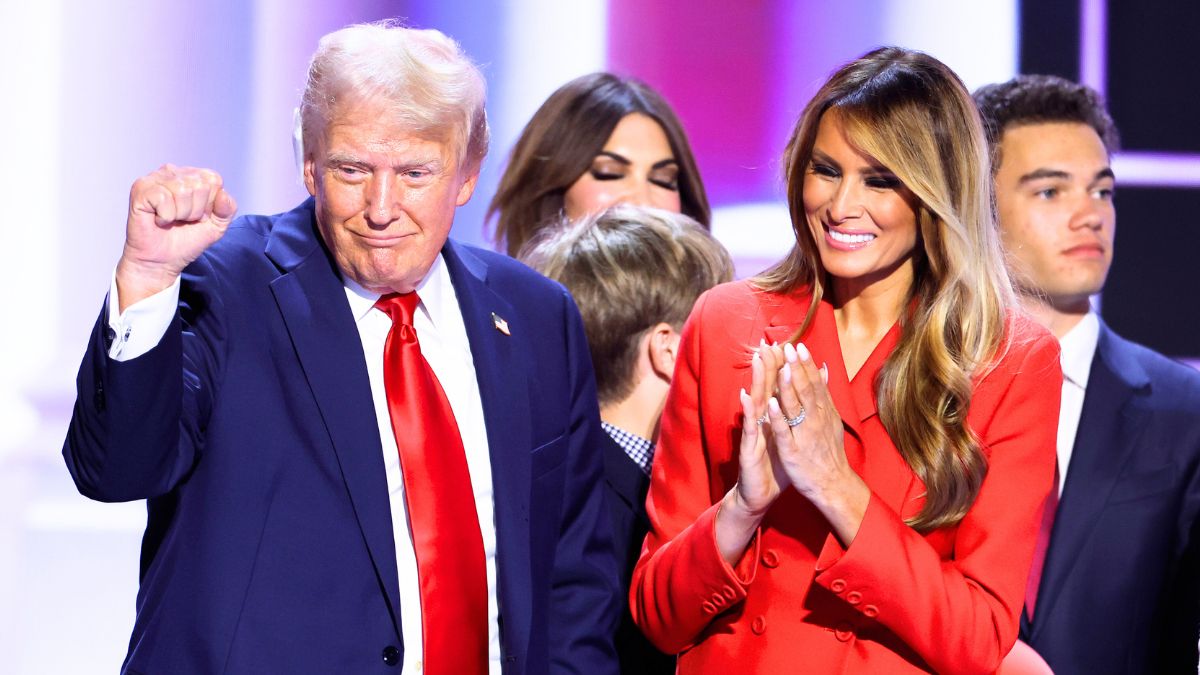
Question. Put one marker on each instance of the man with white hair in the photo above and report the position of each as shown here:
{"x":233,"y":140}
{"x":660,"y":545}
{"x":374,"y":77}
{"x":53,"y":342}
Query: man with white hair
{"x":365,"y":447}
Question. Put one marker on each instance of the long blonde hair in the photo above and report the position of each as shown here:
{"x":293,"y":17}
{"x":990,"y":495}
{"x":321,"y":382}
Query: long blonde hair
{"x":913,"y":115}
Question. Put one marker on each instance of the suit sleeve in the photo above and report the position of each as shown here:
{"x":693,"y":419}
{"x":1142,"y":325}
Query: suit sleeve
{"x":681,"y":570}
{"x":962,"y":614}
{"x":135,"y":429}
{"x":1177,"y":650}
{"x":585,"y":602}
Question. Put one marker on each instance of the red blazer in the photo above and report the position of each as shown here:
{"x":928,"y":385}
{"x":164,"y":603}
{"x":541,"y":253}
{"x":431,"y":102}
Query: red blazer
{"x":895,"y":600}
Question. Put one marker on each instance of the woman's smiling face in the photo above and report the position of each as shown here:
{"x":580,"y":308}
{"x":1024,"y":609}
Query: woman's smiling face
{"x":862,"y":217}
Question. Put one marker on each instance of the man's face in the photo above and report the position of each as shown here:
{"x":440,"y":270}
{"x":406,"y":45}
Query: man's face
{"x":1054,"y":196}
{"x":385,"y":198}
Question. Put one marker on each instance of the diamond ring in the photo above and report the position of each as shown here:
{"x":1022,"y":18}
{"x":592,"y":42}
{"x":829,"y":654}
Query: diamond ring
{"x":797,"y":420}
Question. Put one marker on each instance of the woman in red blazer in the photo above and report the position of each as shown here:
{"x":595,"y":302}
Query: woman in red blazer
{"x":869,"y":501}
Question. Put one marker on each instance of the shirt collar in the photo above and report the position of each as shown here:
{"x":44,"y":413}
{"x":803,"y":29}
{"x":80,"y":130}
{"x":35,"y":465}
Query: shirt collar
{"x":433,"y":290}
{"x":1079,"y":348}
{"x":639,"y":449}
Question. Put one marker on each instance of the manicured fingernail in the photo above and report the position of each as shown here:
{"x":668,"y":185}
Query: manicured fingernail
{"x":789,"y":352}
{"x":803,"y":352}
{"x":773,"y":404}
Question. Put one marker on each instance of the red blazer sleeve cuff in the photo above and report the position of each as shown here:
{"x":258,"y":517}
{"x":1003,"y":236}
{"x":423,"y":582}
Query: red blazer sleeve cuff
{"x":851,"y":573}
{"x":683,"y":586}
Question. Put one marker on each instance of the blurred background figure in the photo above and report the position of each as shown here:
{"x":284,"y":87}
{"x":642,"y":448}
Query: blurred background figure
{"x":635,"y":274}
{"x":597,"y":141}
{"x":870,"y":504}
{"x":1114,"y":586}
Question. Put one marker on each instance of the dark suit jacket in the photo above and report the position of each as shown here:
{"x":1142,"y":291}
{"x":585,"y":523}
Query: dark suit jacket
{"x":627,"y":486}
{"x":1119,"y":590}
{"x":250,"y":430}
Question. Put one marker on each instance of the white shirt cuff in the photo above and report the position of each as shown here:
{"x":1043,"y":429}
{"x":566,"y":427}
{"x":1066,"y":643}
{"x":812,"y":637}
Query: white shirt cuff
{"x":143,"y":324}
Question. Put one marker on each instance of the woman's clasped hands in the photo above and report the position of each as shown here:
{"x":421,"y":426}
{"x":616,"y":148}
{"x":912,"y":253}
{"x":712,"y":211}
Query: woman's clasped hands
{"x":792,"y":437}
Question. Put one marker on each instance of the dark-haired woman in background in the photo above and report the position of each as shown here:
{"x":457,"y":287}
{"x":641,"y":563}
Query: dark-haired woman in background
{"x":598,"y":140}
{"x":869,"y":502}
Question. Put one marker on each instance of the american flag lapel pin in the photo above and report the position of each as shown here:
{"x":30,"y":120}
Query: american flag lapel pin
{"x":500,"y":323}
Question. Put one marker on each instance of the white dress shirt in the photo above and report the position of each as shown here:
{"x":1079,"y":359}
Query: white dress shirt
{"x":444,"y":344}
{"x":1078,"y":350}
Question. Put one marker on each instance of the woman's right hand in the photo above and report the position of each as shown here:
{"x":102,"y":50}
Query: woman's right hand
{"x":761,"y":478}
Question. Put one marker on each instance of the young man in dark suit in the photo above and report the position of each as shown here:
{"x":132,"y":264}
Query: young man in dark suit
{"x":1114,"y":588}
{"x":635,"y":274}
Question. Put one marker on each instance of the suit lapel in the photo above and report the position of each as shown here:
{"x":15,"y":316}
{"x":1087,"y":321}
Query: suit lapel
{"x":312,"y":301}
{"x":625,"y":476}
{"x":502,"y":372}
{"x":1107,"y":436}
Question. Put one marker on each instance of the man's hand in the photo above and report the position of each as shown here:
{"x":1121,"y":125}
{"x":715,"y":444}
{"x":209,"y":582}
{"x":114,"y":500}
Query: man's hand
{"x":175,"y":213}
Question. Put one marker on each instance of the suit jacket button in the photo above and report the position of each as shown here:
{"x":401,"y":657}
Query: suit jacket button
{"x":730,"y":594}
{"x":854,"y":597}
{"x":718,"y":600}
{"x":844,"y":631}
{"x":871,"y":611}
{"x":838,"y":585}
{"x":98,"y":399}
{"x":759,"y":625}
{"x":391,"y":655}
{"x":770,"y":558}
{"x":708,"y":607}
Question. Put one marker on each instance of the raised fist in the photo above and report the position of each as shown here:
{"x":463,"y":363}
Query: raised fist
{"x":175,"y":213}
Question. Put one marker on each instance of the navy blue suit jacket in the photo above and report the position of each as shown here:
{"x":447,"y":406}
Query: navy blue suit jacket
{"x":627,"y":486}
{"x":1119,"y":590}
{"x":250,"y":429}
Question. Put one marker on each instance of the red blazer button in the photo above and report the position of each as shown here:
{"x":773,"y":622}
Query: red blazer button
{"x":871,"y":611}
{"x":854,"y":597}
{"x":759,"y":625}
{"x":770,"y":558}
{"x":838,"y":585}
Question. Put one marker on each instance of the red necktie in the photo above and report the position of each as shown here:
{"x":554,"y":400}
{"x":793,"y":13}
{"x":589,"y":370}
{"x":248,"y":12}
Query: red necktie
{"x":1043,"y":542}
{"x":441,"y":505}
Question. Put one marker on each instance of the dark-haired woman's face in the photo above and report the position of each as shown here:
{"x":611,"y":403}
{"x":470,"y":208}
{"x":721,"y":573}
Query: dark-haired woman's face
{"x":636,"y":166}
{"x":862,"y":217}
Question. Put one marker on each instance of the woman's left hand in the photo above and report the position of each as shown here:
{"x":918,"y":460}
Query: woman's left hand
{"x":809,"y":442}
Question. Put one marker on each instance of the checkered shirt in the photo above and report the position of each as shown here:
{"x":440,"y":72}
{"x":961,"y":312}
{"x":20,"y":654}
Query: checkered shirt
{"x":640,"y":450}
